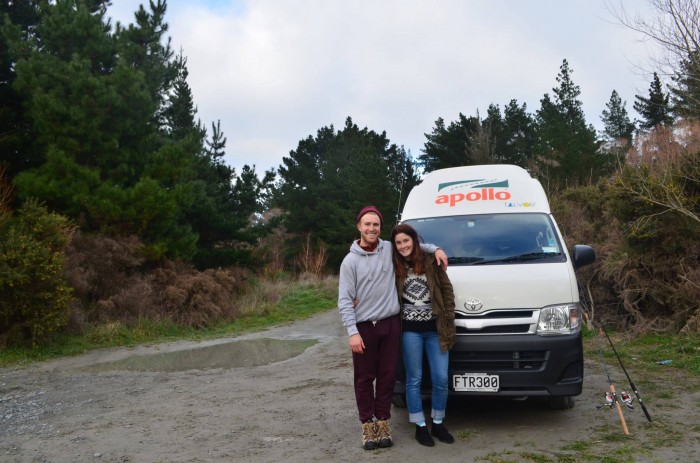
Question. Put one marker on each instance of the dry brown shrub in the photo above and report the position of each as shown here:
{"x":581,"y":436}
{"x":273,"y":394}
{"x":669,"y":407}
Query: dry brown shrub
{"x":654,"y":269}
{"x":665,"y":146}
{"x":97,"y":265}
{"x":197,"y":298}
{"x":136,"y":299}
{"x":310,"y":260}
{"x":6,"y":189}
{"x":689,"y":293}
{"x":111,"y":284}
{"x":174,"y":296}
{"x":270,"y":251}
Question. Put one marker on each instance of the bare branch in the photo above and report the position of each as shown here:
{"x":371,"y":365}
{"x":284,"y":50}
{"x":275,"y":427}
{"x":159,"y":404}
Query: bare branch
{"x":675,"y":28}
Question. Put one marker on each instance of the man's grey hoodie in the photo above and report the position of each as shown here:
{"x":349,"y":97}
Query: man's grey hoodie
{"x":369,"y":278}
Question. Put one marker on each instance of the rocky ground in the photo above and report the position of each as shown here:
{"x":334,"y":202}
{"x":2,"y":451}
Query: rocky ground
{"x":286,"y":395}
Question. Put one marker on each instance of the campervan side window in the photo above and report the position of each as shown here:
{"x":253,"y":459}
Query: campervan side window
{"x":474,"y":238}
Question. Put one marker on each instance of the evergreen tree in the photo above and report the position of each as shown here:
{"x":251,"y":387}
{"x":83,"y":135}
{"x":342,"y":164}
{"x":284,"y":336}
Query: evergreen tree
{"x":112,"y":121}
{"x":81,"y":99}
{"x":17,"y":22}
{"x":566,"y":151}
{"x":518,"y":135}
{"x":616,"y":122}
{"x":179,"y":111}
{"x":217,"y":145}
{"x":482,"y":147}
{"x":145,"y":48}
{"x":449,"y":146}
{"x":686,"y":91}
{"x":329,"y":178}
{"x":251,"y":194}
{"x":507,"y":138}
{"x":654,"y":110}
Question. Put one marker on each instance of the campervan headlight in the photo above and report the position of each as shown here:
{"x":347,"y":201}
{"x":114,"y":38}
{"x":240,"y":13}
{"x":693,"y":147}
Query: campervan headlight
{"x":559,"y":319}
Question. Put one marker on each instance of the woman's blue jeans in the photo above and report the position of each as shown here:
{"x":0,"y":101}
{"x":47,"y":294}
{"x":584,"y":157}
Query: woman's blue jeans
{"x":414,"y":343}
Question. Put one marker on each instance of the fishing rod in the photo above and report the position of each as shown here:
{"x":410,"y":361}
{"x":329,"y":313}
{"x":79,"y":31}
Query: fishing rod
{"x":627,"y":400}
{"x":634,"y":388}
{"x":611,"y":397}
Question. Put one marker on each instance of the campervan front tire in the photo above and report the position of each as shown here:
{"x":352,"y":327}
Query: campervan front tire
{"x":562,"y":402}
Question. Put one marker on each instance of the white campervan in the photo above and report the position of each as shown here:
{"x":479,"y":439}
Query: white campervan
{"x":517,"y":301}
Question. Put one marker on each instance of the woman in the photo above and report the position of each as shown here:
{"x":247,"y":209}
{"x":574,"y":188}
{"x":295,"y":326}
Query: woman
{"x":428,"y":325}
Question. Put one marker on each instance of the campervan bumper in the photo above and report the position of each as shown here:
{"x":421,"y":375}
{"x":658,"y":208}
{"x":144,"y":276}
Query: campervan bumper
{"x":526,"y":365}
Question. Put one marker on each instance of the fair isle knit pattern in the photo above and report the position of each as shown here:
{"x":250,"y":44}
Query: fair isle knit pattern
{"x":416,"y":299}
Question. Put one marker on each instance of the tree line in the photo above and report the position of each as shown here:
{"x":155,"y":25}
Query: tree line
{"x":99,"y":133}
{"x":99,"y":124}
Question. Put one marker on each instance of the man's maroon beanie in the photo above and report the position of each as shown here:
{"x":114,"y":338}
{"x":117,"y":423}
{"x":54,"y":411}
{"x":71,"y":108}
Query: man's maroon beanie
{"x":373,"y":209}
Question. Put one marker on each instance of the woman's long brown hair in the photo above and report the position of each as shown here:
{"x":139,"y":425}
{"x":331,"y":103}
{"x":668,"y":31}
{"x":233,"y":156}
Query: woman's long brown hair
{"x":417,"y":257}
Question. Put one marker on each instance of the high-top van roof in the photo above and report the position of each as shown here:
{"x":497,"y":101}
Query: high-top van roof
{"x":485,"y":189}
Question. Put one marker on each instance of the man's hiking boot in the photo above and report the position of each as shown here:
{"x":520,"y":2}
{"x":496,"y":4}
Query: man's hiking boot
{"x":423,"y":436}
{"x":441,"y":433}
{"x":384,"y":434}
{"x":369,"y":435}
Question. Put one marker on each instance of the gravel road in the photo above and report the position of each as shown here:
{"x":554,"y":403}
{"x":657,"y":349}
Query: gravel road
{"x":286,"y":394}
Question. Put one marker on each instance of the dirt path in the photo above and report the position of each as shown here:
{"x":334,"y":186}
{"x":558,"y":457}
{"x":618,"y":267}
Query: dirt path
{"x":301,"y":410}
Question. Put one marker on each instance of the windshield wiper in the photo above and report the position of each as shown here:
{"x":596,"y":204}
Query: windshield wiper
{"x":463,"y":260}
{"x":521,"y":257}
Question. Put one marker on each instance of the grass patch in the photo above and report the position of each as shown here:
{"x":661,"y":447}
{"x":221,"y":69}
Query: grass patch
{"x":578,"y":446}
{"x":466,"y":434}
{"x":643,"y":352}
{"x":265,"y":304}
{"x":565,"y":458}
{"x":536,"y":457}
{"x":497,"y":457}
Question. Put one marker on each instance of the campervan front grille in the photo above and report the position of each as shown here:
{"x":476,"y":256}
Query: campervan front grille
{"x":499,"y":329}
{"x":495,"y":314}
{"x":501,"y":322}
{"x":497,"y":360}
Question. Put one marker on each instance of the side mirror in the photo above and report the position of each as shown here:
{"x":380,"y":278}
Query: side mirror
{"x":583,"y":255}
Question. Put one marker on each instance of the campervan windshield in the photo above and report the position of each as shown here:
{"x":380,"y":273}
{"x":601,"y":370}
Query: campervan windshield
{"x":493,"y":238}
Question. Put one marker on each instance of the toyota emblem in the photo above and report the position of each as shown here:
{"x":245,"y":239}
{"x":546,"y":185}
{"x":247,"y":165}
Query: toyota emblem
{"x":473,"y":305}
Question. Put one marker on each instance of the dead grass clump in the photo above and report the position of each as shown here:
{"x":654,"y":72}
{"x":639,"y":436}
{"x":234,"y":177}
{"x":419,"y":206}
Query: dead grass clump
{"x":261,"y":297}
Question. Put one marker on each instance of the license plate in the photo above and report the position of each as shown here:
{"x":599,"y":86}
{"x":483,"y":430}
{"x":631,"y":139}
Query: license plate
{"x":475,"y":382}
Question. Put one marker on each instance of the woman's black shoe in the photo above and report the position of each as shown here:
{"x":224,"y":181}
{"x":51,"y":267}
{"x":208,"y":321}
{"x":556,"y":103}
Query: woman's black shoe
{"x":441,"y":433}
{"x":423,"y":436}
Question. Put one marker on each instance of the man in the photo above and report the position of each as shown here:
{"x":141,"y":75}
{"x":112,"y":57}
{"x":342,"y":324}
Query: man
{"x":369,"y":308}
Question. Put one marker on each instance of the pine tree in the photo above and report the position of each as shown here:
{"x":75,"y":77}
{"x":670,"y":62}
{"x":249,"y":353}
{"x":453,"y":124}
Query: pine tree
{"x":217,"y":145}
{"x":518,"y":135}
{"x":654,"y":110}
{"x":328,"y":178}
{"x":251,"y":194}
{"x":686,"y":92}
{"x":510,"y":136}
{"x":617,"y":124}
{"x":482,"y":147}
{"x":566,"y":143}
{"x":144,"y":47}
{"x":17,"y":21}
{"x":449,"y":146}
{"x":179,"y":111}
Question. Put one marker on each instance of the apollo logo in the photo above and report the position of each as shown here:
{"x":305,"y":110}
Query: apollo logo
{"x":473,"y":190}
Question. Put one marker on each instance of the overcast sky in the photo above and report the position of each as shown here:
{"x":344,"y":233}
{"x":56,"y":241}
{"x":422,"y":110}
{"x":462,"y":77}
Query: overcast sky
{"x":275,"y":71}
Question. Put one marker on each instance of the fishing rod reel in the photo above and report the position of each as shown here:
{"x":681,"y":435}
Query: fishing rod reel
{"x":626,"y":399}
{"x":610,"y":399}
